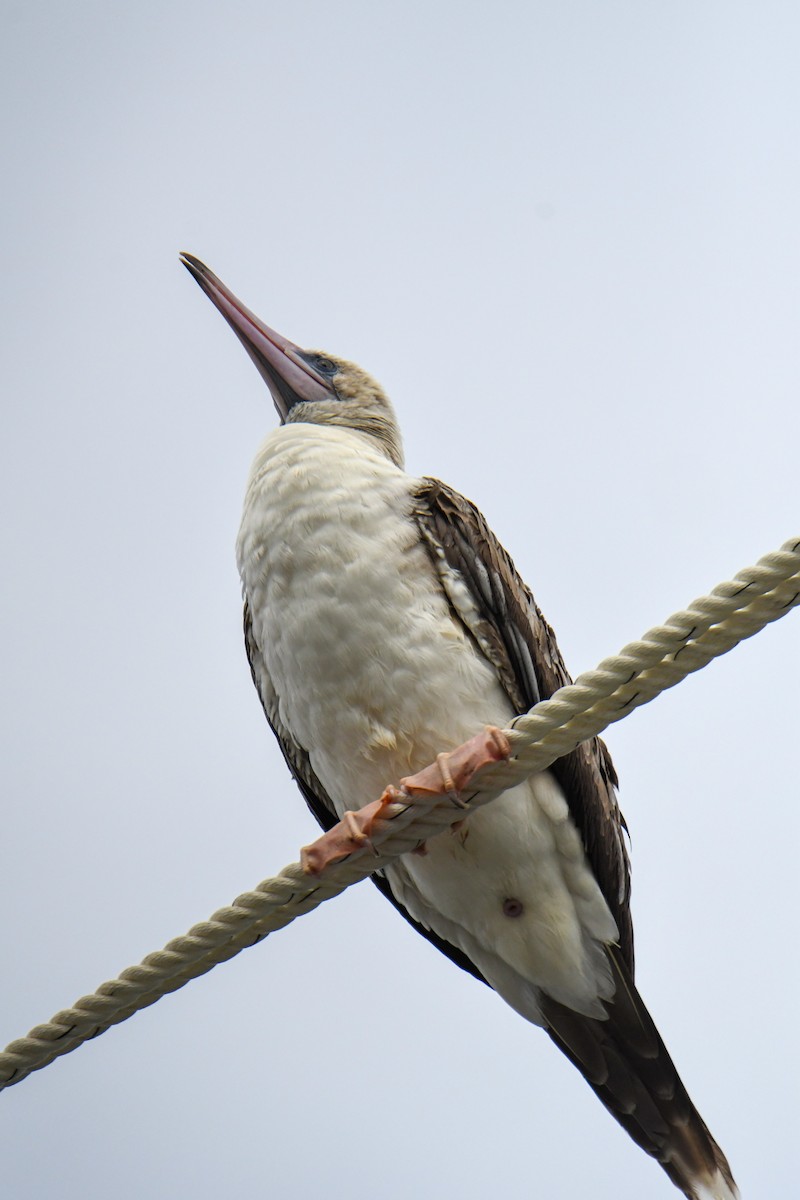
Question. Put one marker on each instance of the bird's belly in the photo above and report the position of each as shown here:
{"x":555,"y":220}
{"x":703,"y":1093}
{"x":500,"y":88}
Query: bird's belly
{"x":511,"y":888}
{"x":373,"y":672}
{"x":374,"y":677}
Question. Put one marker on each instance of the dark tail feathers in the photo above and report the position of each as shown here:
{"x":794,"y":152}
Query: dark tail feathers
{"x":627,"y":1064}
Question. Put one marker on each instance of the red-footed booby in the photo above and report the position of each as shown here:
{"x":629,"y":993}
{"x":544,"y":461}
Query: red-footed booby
{"x":385,"y":623}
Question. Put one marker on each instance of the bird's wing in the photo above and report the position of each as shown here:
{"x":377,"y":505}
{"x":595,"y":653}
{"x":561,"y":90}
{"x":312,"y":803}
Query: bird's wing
{"x":622,"y":1057}
{"x":314,"y":794}
{"x":501,"y":615}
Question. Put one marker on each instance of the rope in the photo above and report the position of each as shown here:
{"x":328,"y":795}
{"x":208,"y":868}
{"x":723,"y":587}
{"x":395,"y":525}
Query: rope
{"x":666,"y":654}
{"x":643,"y":669}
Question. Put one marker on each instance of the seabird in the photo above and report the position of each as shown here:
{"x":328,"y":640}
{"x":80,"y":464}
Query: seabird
{"x":385,"y":623}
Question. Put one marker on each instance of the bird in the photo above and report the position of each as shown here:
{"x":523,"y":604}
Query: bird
{"x":383,"y":622}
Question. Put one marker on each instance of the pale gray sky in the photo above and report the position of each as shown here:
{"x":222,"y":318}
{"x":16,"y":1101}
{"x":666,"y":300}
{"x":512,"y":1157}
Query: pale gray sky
{"x":565,"y":238}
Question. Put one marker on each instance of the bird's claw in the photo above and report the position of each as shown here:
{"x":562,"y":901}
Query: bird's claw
{"x":348,"y":835}
{"x":443,"y":763}
{"x":448,"y":776}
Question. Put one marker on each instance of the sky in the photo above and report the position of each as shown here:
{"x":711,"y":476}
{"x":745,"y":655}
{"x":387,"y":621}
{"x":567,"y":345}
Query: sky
{"x":565,"y":239}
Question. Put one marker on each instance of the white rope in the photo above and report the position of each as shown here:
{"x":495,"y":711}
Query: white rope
{"x":666,"y":654}
{"x":662,"y":657}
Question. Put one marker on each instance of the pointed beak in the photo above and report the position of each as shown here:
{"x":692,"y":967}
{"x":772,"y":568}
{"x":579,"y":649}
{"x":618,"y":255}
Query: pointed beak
{"x":279,"y":362}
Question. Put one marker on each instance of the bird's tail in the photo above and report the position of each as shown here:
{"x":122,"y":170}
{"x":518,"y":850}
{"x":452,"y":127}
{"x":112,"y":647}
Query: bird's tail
{"x":626,"y":1063}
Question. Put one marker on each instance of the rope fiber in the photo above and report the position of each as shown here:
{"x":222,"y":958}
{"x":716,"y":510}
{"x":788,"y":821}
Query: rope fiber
{"x":643,"y":669}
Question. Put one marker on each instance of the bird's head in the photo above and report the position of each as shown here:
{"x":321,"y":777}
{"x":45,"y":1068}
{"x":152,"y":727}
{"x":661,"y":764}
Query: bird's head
{"x":307,"y":385}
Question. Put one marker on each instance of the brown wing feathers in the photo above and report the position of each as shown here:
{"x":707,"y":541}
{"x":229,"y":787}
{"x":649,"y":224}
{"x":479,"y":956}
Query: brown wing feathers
{"x":522,"y":647}
{"x":627,"y":1065}
{"x":623,"y":1057}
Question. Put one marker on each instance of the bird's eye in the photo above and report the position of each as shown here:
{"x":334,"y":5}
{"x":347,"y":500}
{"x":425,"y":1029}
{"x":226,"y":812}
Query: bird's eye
{"x":322,"y":364}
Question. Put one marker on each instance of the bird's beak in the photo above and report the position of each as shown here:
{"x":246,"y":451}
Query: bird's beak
{"x":280,"y":363}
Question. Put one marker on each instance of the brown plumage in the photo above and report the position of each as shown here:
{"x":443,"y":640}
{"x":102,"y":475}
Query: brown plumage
{"x":623,"y":1058}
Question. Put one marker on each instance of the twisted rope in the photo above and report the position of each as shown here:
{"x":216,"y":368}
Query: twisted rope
{"x":666,"y":654}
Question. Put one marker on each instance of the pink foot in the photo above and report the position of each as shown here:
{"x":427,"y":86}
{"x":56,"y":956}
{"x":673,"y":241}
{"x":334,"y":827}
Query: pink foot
{"x":449,"y":775}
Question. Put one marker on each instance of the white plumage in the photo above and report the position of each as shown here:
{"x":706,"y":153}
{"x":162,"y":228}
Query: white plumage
{"x":374,"y":677}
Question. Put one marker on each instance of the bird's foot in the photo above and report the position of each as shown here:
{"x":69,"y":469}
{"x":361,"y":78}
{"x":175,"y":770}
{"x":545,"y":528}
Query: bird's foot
{"x":448,"y":776}
{"x":350,"y":834}
{"x":449,"y":784}
{"x":451,"y":773}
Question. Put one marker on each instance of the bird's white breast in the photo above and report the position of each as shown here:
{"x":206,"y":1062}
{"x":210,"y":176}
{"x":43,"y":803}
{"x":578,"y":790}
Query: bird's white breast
{"x":374,"y":676}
